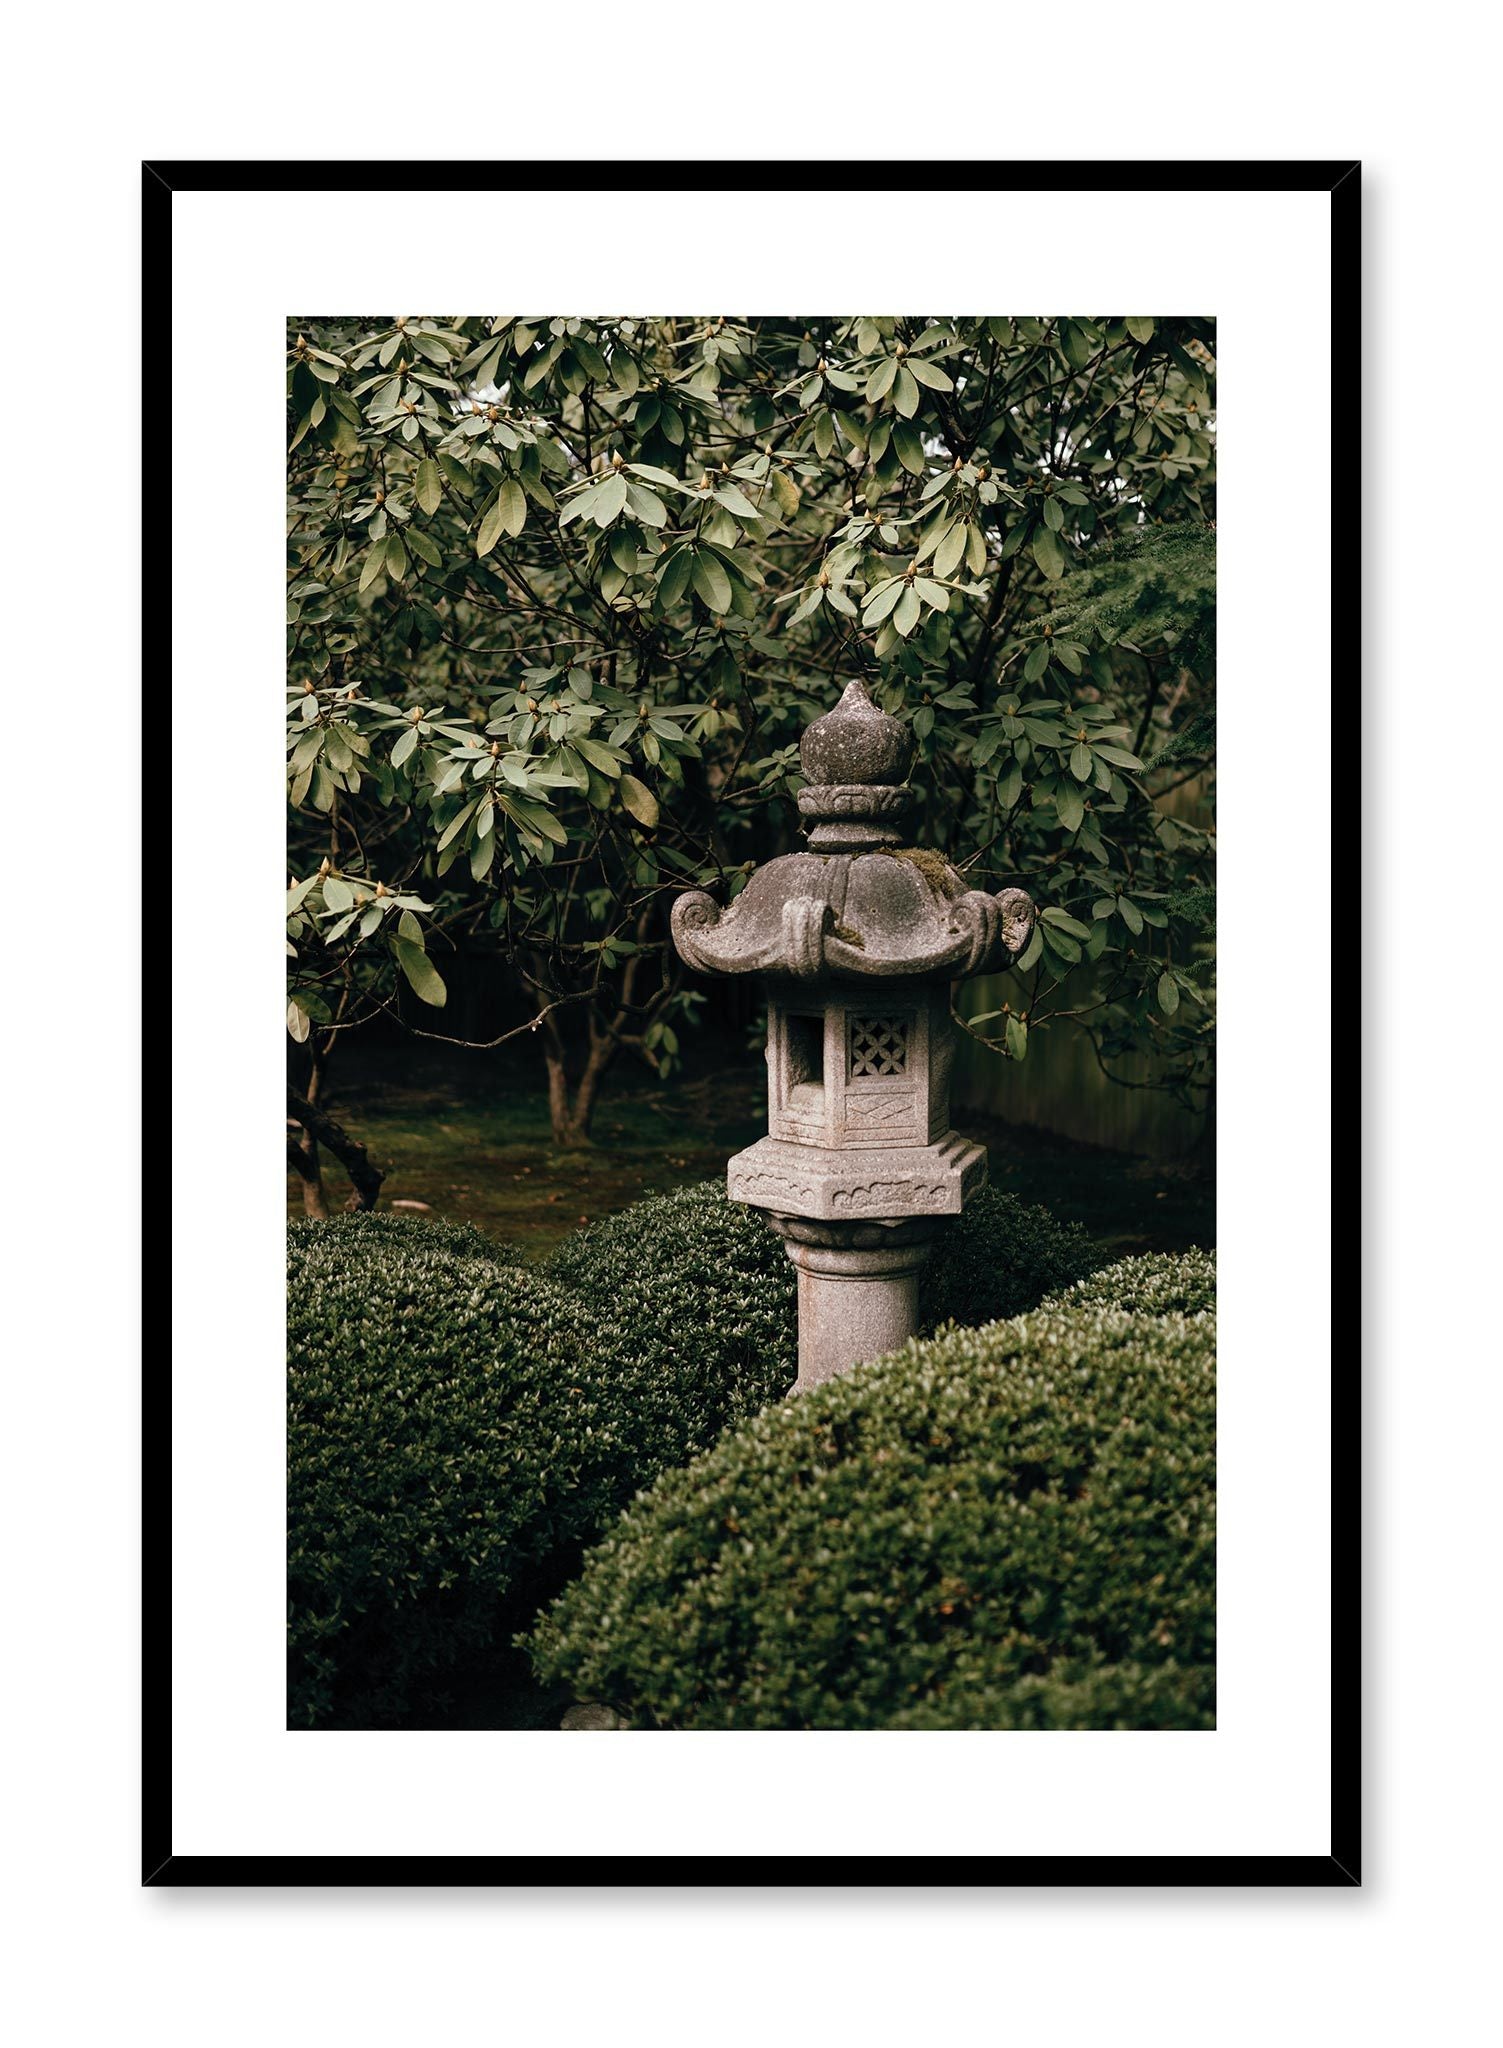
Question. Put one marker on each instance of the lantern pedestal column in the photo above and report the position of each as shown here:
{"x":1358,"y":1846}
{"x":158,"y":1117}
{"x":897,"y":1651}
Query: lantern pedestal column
{"x":857,"y":1290}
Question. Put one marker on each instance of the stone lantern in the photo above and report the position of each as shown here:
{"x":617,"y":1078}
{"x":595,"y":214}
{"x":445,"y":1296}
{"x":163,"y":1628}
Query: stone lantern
{"x":859,"y":941}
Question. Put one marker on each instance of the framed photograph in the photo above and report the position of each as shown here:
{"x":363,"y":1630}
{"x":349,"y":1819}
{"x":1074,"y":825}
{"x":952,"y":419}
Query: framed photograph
{"x":777,"y":1197}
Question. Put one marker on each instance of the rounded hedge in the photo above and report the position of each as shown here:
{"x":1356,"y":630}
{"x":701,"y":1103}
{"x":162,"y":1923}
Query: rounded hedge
{"x":999,"y":1257}
{"x":460,"y":1425}
{"x":696,"y":1304}
{"x":696,"y":1290}
{"x":415,"y":1234}
{"x":1010,"y":1527}
{"x":1154,"y":1284}
{"x":450,"y":1436}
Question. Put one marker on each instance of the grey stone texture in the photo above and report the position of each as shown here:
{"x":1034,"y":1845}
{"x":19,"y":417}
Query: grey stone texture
{"x":591,"y":1714}
{"x":860,"y":940}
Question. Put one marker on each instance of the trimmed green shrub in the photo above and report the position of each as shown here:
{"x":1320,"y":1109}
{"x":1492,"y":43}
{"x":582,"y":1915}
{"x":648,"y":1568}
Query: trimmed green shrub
{"x":416,"y":1234}
{"x":999,"y":1257}
{"x":450,"y":1447}
{"x":460,"y":1426}
{"x":1010,"y":1527}
{"x":1155,"y":1284}
{"x":696,"y":1294}
{"x":696,"y":1304}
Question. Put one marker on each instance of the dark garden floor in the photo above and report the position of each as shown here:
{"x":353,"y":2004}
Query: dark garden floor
{"x":468,"y":1135}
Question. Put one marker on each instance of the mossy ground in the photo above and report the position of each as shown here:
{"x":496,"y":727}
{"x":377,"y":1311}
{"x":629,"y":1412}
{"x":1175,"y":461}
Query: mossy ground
{"x":469,"y":1136}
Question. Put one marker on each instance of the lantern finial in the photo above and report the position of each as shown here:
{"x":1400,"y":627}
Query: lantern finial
{"x":856,"y":743}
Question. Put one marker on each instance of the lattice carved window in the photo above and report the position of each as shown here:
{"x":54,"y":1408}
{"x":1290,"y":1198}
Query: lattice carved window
{"x":879,"y":1047}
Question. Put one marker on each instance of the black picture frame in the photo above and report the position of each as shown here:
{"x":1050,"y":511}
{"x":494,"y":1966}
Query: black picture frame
{"x":160,"y":1865}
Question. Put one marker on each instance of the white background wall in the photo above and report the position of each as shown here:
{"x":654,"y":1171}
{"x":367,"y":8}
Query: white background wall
{"x":96,"y":1959}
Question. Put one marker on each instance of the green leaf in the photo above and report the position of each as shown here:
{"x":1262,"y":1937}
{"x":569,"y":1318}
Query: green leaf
{"x":1037,"y":662}
{"x":1062,"y":921}
{"x":1067,"y":802}
{"x":639,"y":799}
{"x":590,"y":360}
{"x":880,"y":601}
{"x":405,"y":743}
{"x":674,"y":580}
{"x":1130,"y":914}
{"x":455,"y":825}
{"x":905,"y":395}
{"x":409,"y":928}
{"x":1077,"y":344}
{"x":298,"y":1022}
{"x":1080,"y":761}
{"x":909,"y":445}
{"x":511,"y":505}
{"x":1120,"y":758}
{"x":375,"y":562}
{"x":338,"y":895}
{"x":599,"y":756}
{"x":930,"y":374}
{"x":490,"y":528}
{"x":906,"y":613}
{"x":609,"y":500}
{"x":712,"y":583}
{"x":1140,"y":329}
{"x":947,"y":555}
{"x":1168,"y":994}
{"x":735,"y":501}
{"x":424,"y":978}
{"x":428,"y":485}
{"x":880,"y":382}
{"x":1016,"y":1035}
{"x":646,"y":505}
{"x":1048,"y":553}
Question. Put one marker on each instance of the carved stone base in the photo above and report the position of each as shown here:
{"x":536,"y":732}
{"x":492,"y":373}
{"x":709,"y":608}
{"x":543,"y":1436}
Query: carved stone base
{"x":857,"y":1290}
{"x":882,"y":1183}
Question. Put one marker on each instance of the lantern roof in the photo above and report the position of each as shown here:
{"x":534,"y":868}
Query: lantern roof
{"x":859,"y":904}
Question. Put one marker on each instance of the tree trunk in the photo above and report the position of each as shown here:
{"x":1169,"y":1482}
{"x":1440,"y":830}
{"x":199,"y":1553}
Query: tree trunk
{"x":307,"y":1164}
{"x":365,"y":1179}
{"x":571,"y":1111}
{"x":315,"y":1201}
